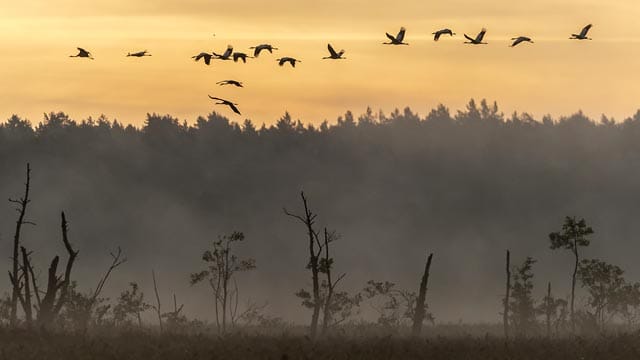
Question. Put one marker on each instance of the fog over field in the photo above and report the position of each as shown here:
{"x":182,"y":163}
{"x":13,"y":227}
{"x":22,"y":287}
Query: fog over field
{"x":465,"y":186}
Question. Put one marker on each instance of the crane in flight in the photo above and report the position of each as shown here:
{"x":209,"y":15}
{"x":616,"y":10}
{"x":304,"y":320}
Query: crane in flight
{"x":203,"y":55}
{"x":259,"y":48}
{"x":583,"y":34}
{"x":398,"y":39}
{"x":82,"y":53}
{"x":227,"y":103}
{"x":139,"y":54}
{"x":520,"y":39}
{"x":240,"y":56}
{"x":333,"y":54}
{"x":230,"y":82}
{"x":478,"y":39}
{"x":439,"y":33}
{"x":226,"y":55}
{"x":289,"y":60}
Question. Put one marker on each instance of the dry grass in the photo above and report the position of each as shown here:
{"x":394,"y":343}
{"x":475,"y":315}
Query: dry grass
{"x":17,"y":345}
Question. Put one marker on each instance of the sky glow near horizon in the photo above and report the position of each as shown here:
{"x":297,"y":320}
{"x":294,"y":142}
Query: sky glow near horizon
{"x":554,"y":76}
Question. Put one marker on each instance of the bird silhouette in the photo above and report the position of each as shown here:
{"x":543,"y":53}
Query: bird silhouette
{"x":333,"y":54}
{"x":203,"y":55}
{"x":139,"y":54}
{"x":289,"y":60}
{"x":83,"y":54}
{"x":226,"y":55}
{"x":478,"y":39}
{"x":230,"y":82}
{"x":240,"y":56}
{"x":226,"y":102}
{"x":398,"y":39}
{"x":520,"y":39}
{"x":583,"y":34}
{"x":437,"y":34}
{"x":259,"y":48}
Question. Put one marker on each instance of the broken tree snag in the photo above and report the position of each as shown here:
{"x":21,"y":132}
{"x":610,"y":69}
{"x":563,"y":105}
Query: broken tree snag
{"x":421,"y":310}
{"x":26,"y":304}
{"x":46,"y":315}
{"x":22,"y":210}
{"x":505,"y":311}
{"x":51,"y":303}
{"x":64,"y":292}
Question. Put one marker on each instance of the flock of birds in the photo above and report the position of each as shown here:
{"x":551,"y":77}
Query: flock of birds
{"x":398,"y":39}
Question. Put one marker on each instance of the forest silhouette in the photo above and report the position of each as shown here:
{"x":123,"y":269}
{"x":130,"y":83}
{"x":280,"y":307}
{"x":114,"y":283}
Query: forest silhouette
{"x":394,"y":186}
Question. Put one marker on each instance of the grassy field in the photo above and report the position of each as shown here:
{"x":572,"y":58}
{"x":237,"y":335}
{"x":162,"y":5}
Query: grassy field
{"x":17,"y":345}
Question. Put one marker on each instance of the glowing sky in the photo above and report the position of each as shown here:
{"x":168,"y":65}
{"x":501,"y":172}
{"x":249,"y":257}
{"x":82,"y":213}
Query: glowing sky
{"x":554,"y":75}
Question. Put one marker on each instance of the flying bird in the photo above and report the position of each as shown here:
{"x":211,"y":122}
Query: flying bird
{"x":203,"y":55}
{"x":259,"y":48}
{"x":583,"y":34}
{"x":227,"y":54}
{"x":520,"y":39}
{"x":478,"y":39}
{"x":83,"y":54}
{"x":139,"y":54}
{"x":289,"y":60}
{"x":240,"y":56}
{"x":437,"y":34}
{"x":398,"y":39}
{"x":333,"y":54}
{"x":226,"y":102}
{"x":230,"y":82}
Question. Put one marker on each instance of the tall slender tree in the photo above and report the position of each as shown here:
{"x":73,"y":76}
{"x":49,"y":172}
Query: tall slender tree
{"x":315,"y":250}
{"x":14,"y":275}
{"x":572,"y":236}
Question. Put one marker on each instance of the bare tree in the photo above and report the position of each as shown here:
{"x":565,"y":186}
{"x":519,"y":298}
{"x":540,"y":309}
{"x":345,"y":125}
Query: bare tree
{"x":14,"y":275}
{"x":420,"y":311}
{"x":82,"y":308}
{"x":315,"y":250}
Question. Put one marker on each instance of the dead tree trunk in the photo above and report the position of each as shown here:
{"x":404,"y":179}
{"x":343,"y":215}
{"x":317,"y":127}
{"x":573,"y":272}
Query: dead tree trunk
{"x":51,"y":303}
{"x":158,"y":307}
{"x":505,"y":314}
{"x":315,"y":249}
{"x":28,"y":309}
{"x":421,"y":310}
{"x":22,"y":210}
{"x":45,"y":315}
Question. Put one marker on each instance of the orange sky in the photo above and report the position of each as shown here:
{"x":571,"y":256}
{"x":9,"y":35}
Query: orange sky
{"x":554,"y":75}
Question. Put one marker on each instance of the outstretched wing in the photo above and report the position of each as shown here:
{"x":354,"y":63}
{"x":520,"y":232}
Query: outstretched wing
{"x":517,"y":41}
{"x":481,"y":35}
{"x":585,"y":30}
{"x":292,"y":61}
{"x":215,"y":98}
{"x":228,"y":52}
{"x":332,"y":51}
{"x":469,"y":38}
{"x":437,"y":35}
{"x":390,"y":37}
{"x":256,"y":51}
{"x":400,"y":36}
{"x":234,"y":108}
